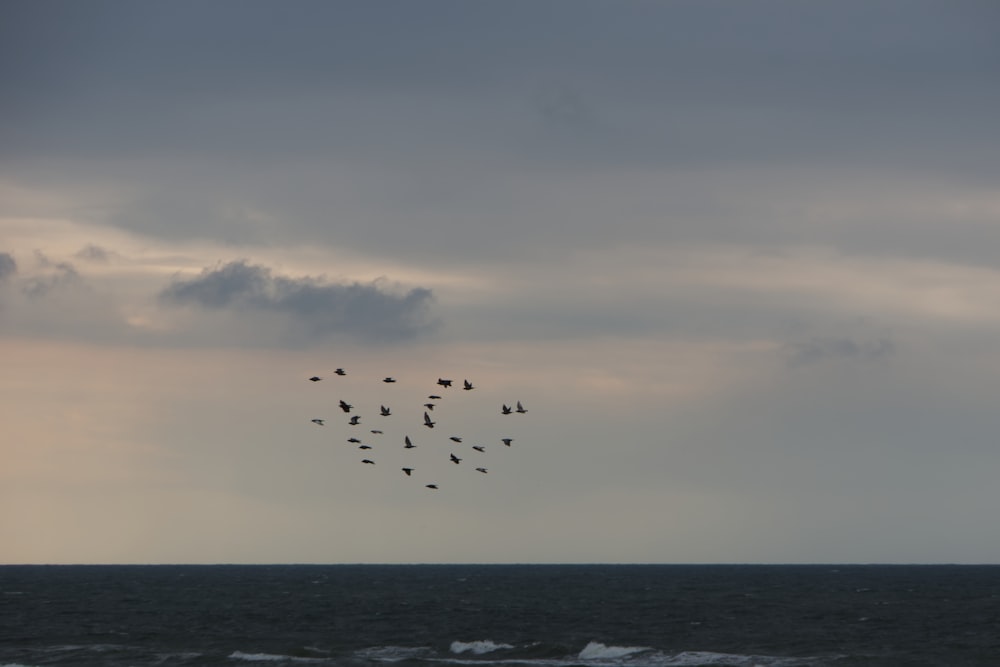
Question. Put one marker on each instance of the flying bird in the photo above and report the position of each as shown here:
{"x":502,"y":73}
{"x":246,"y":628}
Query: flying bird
{"x":365,"y":447}
{"x":431,"y":486}
{"x":388,"y":379}
{"x":455,"y":438}
{"x":376,"y":431}
{"x":434,"y":397}
{"x":368,"y":461}
{"x":340,"y":371}
{"x":354,"y":440}
{"x":467,"y":385}
{"x":355,"y":420}
{"x":385,"y":411}
{"x":482,"y":470}
{"x":429,"y":406}
{"x":345,"y":406}
{"x":505,"y":410}
{"x":427,"y":421}
{"x":315,"y":378}
{"x":455,"y":459}
{"x":407,"y":471}
{"x":479,"y":448}
{"x":507,"y":441}
{"x":520,"y":408}
{"x":444,"y":383}
{"x":408,"y":445}
{"x":317,"y":421}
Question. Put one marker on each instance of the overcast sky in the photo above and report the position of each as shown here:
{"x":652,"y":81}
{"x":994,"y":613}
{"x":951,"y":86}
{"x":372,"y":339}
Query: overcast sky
{"x":740,"y":261}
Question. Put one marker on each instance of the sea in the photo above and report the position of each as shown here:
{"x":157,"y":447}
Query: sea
{"x":501,"y":615}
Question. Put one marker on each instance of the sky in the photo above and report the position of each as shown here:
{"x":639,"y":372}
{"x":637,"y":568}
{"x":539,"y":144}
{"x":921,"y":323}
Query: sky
{"x":739,"y":261}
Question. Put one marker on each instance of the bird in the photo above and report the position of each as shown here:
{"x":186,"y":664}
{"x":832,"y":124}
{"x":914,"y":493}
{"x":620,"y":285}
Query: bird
{"x":408,"y":445}
{"x":376,"y":431}
{"x":482,"y":470}
{"x":340,"y":371}
{"x":354,"y":440}
{"x":368,"y":461}
{"x":431,"y":486}
{"x":427,"y":421}
{"x":455,"y":459}
{"x":389,"y":379}
{"x":444,"y":383}
{"x":429,"y":406}
{"x":318,"y":422}
{"x":365,"y":447}
{"x":505,"y":410}
{"x":507,"y":441}
{"x":315,"y":378}
{"x":407,"y":471}
{"x":479,"y":448}
{"x":345,"y":406}
{"x":455,"y":438}
{"x":385,"y":411}
{"x":355,"y":420}
{"x":467,"y":385}
{"x":520,"y":408}
{"x":434,"y":397}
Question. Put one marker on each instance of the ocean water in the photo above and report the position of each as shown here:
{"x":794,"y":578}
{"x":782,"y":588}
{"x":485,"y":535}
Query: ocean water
{"x":489,"y":615}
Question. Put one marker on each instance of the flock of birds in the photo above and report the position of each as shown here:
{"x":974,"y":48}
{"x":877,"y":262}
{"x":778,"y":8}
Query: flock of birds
{"x":433,"y":400}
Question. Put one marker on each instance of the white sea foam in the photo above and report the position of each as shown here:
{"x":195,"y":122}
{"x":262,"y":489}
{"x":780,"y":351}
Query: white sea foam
{"x":392,"y":653}
{"x":704,"y":658}
{"x":478,"y":647}
{"x":598,"y":651}
{"x":270,"y":657}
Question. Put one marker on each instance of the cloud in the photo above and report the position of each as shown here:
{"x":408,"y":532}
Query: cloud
{"x":95,"y":253}
{"x":311,"y":308}
{"x":8,"y":266}
{"x":56,"y":275}
{"x":820,"y":349}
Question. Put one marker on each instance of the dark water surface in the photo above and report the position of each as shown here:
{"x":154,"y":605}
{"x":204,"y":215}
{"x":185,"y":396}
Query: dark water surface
{"x":542,"y":615}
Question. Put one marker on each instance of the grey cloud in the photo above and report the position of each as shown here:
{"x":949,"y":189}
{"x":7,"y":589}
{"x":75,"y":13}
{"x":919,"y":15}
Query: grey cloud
{"x":53,"y":276}
{"x":8,"y":266}
{"x":314,"y":309}
{"x":820,"y":349}
{"x":94,"y":253}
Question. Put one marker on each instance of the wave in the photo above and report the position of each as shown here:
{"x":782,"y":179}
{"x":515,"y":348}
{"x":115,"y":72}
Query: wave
{"x":271,"y":657}
{"x":597,"y":651}
{"x":479,"y":647}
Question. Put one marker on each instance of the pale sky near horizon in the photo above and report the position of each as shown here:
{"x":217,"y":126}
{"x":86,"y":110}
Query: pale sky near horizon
{"x":739,"y":260}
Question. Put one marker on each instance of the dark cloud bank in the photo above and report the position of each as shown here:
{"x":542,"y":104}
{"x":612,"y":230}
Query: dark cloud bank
{"x":316,"y":309}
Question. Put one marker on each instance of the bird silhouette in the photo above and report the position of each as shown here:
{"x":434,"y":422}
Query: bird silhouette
{"x":467,"y":385}
{"x":444,"y":383}
{"x":355,"y":420}
{"x":340,"y":371}
{"x":505,"y":410}
{"x":479,"y":448}
{"x":407,"y":471}
{"x":507,"y":441}
{"x":427,"y":421}
{"x":482,"y":470}
{"x":520,"y":408}
{"x":385,"y":411}
{"x":368,"y":461}
{"x":318,"y":422}
{"x":408,"y":445}
{"x":455,"y":438}
{"x":345,"y":406}
{"x":315,"y":378}
{"x":455,"y":459}
{"x":389,"y":380}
